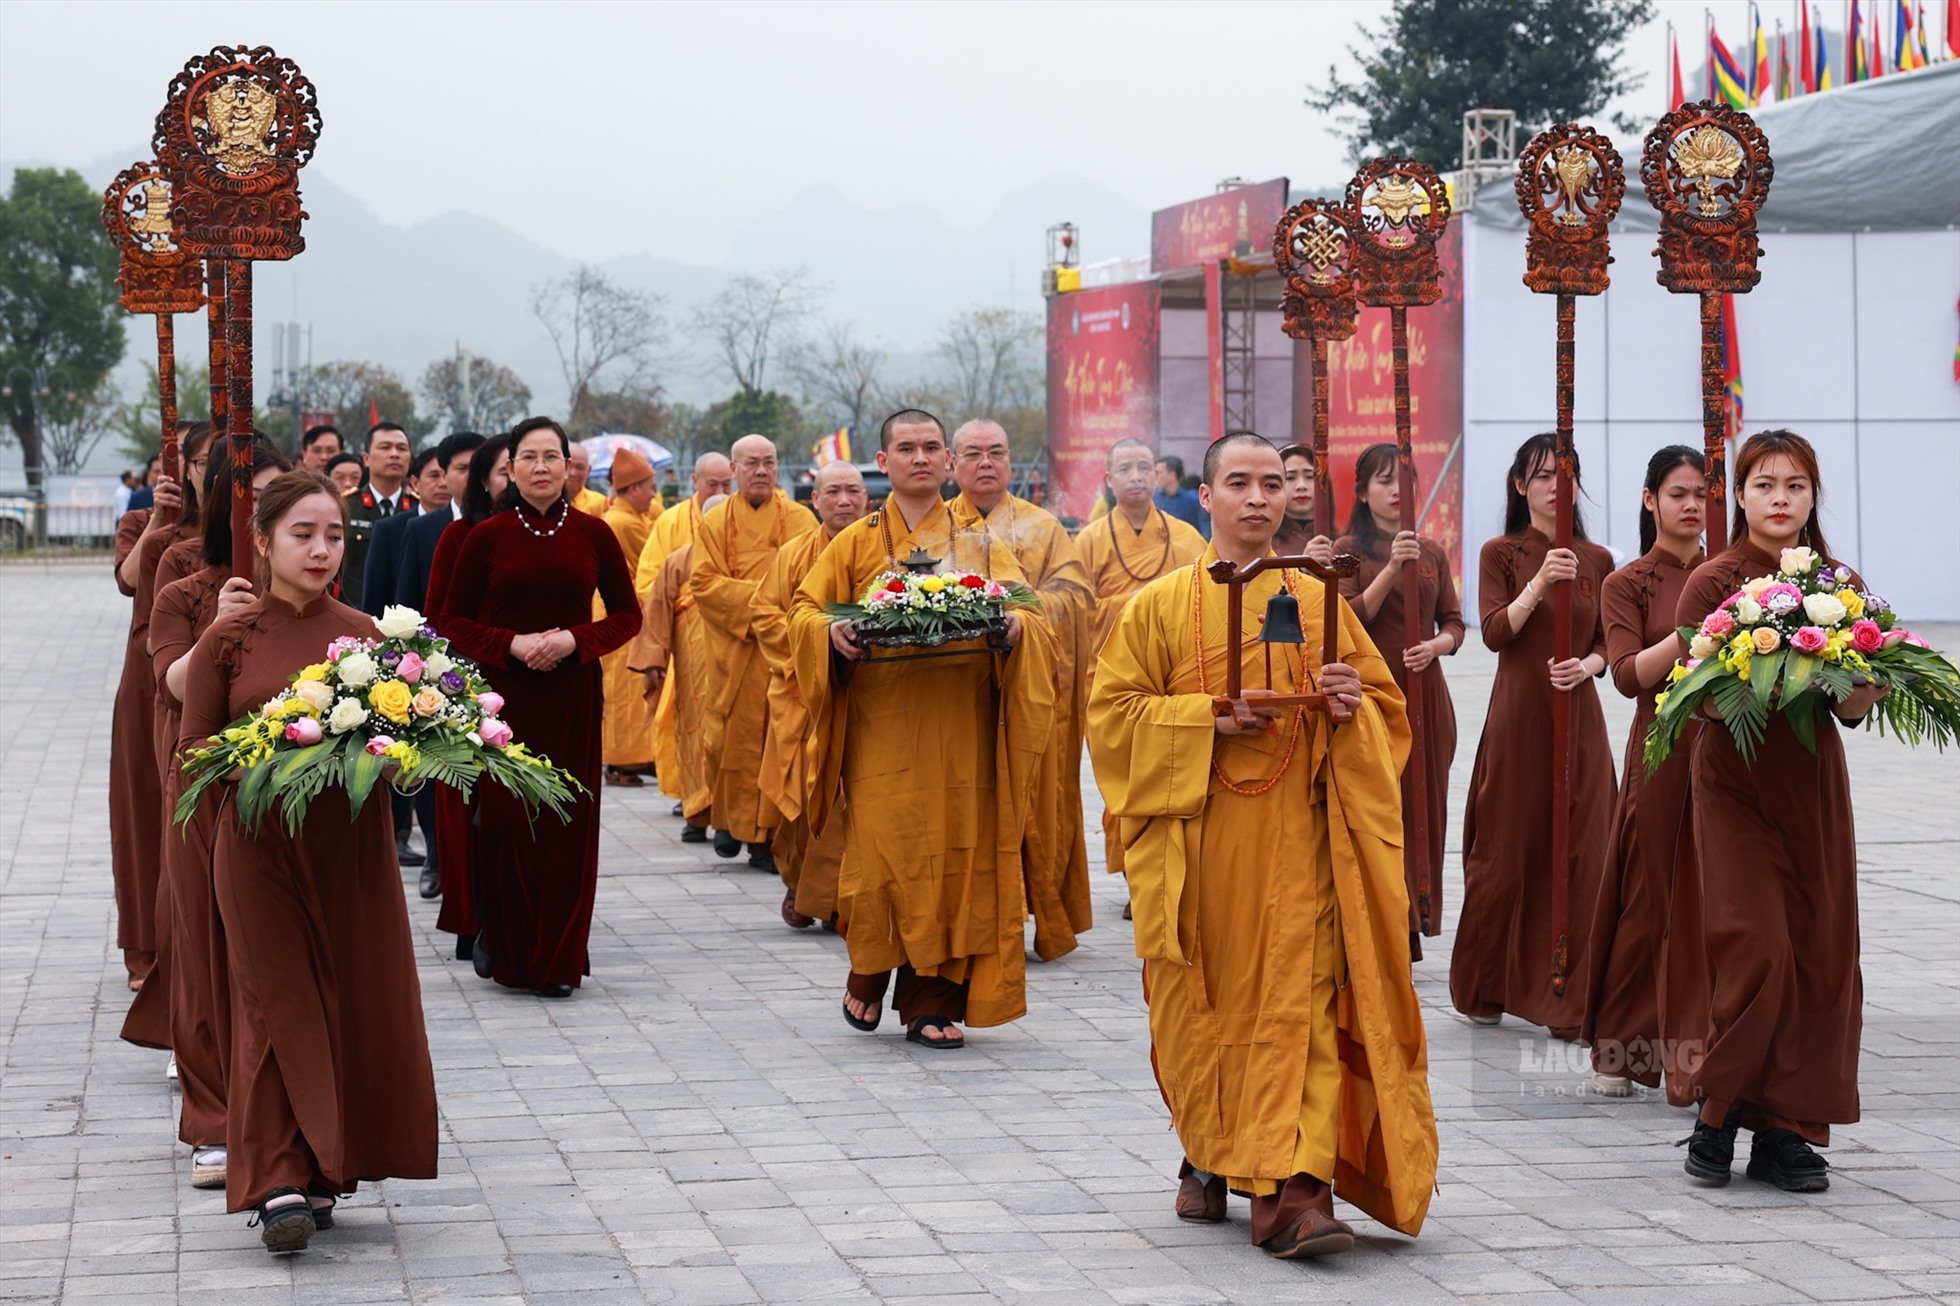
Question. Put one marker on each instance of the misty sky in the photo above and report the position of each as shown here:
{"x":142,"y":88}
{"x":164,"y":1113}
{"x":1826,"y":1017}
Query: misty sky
{"x":601,"y":129}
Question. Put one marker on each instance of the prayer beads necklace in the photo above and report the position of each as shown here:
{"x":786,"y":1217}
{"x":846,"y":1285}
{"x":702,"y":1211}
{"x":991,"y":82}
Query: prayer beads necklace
{"x":1116,"y":547}
{"x":564,"y":508}
{"x":1198,"y":630}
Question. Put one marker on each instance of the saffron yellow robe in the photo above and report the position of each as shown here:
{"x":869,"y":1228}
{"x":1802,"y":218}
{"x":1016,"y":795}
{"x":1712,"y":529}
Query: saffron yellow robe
{"x":590,"y":502}
{"x":671,"y":636}
{"x":734,"y":547}
{"x":1056,"y":858}
{"x":628,"y":733}
{"x":1238,"y":899}
{"x":1120,"y":561}
{"x":672,"y":530}
{"x":931,"y":765}
{"x":809,"y":867}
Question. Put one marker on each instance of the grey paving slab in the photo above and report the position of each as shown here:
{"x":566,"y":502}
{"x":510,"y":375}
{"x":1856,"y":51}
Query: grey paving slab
{"x":699,"y":1127}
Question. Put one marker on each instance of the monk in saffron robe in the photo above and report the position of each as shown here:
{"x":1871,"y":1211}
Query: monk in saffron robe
{"x":809,"y":867}
{"x":713,"y":475}
{"x":734,"y":547}
{"x":628,"y":735}
{"x":671,"y":648}
{"x":584,"y":498}
{"x":1122,"y":552}
{"x":1262,"y":850}
{"x":935,"y":760}
{"x":1056,"y":859}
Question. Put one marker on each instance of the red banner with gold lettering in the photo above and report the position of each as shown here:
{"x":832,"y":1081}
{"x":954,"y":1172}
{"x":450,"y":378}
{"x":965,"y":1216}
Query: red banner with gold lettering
{"x":1361,"y":402}
{"x":1102,"y":385}
{"x":1236,"y":223}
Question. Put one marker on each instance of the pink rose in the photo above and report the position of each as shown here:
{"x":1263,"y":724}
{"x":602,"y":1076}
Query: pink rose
{"x":1809,"y":639}
{"x":1916,"y":642}
{"x":303,"y":731}
{"x":494,"y":733}
{"x":490,"y":701}
{"x":1866,"y":637}
{"x":410,"y":667}
{"x":379,"y":745}
{"x":1718,"y":624}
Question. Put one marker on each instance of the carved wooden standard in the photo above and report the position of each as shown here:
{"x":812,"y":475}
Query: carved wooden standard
{"x":157,"y":277}
{"x":1235,"y":578}
{"x":236,"y":129}
{"x":1707,"y":170}
{"x":1570,"y":183}
{"x":1399,"y":210}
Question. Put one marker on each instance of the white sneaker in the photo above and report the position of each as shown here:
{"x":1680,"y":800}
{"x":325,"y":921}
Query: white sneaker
{"x":208,"y":1167}
{"x":1612,"y":1086}
{"x":170,"y":1071}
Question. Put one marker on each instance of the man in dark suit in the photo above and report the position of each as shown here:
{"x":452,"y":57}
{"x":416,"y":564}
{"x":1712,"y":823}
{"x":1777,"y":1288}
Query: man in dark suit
{"x":381,"y":495}
{"x":408,"y":541}
{"x":427,"y":483}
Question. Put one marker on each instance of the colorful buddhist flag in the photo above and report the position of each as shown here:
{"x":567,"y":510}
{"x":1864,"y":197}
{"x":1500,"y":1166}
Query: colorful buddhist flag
{"x":1785,"y":90}
{"x":1919,"y":37}
{"x":833,"y":448}
{"x":1824,"y":58}
{"x":1857,"y":63}
{"x":1904,"y":57}
{"x":1759,"y":82}
{"x":1731,"y":373}
{"x":1730,"y":84}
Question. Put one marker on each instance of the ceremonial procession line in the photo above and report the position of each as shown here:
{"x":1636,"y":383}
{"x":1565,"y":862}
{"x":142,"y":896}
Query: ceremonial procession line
{"x":700,"y":1127}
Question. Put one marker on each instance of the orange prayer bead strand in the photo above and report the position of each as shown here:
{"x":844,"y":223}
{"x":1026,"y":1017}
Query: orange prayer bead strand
{"x":1299,"y":713}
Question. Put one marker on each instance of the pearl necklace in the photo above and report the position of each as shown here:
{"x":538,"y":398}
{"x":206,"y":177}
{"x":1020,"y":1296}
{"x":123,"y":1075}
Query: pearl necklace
{"x":564,"y":511}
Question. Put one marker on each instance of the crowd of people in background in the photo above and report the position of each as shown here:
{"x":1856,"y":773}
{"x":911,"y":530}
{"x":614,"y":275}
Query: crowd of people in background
{"x":928,"y":809}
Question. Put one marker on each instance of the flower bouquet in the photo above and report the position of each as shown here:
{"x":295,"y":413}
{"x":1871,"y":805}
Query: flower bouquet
{"x":401,"y":702}
{"x":1796,"y":642}
{"x":906,"y":609}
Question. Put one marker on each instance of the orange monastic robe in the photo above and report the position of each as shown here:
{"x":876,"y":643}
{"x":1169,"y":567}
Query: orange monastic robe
{"x":1272,"y":915}
{"x":734,"y":548}
{"x":809,"y":867}
{"x":672,"y":531}
{"x":671,"y":637}
{"x":628,"y":734}
{"x":931,"y":765}
{"x":1121,"y":560}
{"x":590,"y":502}
{"x":1056,"y":859}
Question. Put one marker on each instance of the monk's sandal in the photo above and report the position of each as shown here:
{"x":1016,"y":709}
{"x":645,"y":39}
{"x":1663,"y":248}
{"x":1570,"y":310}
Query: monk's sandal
{"x":287,"y":1227}
{"x":1711,"y":1151}
{"x":1777,"y":1156}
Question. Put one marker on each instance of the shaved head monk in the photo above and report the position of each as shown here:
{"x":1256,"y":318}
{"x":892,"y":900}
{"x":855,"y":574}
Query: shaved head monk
{"x":809,"y":867}
{"x":671,"y":649}
{"x":1265,"y":866}
{"x":936,"y":758}
{"x":673,"y":530}
{"x":1134,"y":544}
{"x":1055,"y":858}
{"x":734,"y":547}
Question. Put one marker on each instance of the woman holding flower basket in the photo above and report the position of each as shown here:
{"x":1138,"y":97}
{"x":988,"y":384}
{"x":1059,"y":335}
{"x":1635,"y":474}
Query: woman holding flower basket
{"x":520,"y":603}
{"x":330,"y":1081}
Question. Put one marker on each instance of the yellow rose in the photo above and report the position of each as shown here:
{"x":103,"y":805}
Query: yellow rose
{"x":1853,"y":601}
{"x":318,"y":671}
{"x":1766,"y":639}
{"x":428,"y":702}
{"x":391,"y":698}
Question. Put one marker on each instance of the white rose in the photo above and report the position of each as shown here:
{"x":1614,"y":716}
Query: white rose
{"x":398,"y":621}
{"x":1824,"y":609}
{"x":1701,"y":647}
{"x":355,"y":669}
{"x":348,"y":714}
{"x":314,"y":694}
{"x":1795,"y":562}
{"x":1748,"y":611}
{"x":439,"y":664}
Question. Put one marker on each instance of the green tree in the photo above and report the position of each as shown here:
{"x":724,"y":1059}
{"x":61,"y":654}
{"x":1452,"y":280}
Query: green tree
{"x":1431,"y":61}
{"x":139,"y":421}
{"x":769,"y":413}
{"x":61,"y":319}
{"x":485,"y":397}
{"x":352,"y":390}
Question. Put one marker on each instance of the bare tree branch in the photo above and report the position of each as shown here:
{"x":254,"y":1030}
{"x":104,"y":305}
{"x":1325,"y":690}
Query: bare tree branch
{"x":993,"y":361}
{"x":497,"y":396}
{"x":837,"y":375}
{"x":606,"y":334}
{"x":749,"y":315}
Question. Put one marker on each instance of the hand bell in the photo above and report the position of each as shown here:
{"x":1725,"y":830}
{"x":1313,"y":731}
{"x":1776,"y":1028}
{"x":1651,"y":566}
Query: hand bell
{"x":1282,"y":624}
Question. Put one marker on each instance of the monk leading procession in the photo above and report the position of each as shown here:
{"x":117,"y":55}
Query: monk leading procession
{"x":881,"y":708}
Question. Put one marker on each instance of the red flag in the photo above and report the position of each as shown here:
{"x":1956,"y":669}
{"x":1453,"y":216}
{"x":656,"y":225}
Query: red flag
{"x":1878,"y":45}
{"x":1806,"y":55}
{"x":1953,"y":28}
{"x":1676,"y":95}
{"x":374,"y":415}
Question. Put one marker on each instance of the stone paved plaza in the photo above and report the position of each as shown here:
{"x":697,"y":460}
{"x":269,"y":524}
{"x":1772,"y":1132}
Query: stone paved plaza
{"x":699,"y":1126}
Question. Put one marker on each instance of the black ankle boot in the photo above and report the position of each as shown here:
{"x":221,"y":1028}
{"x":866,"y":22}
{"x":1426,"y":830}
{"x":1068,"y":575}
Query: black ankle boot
{"x":1777,"y":1156}
{"x":1711,"y":1151}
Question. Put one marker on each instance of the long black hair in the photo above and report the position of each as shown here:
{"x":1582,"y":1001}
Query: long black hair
{"x":192,"y":440}
{"x":216,"y":549}
{"x":530,"y":426}
{"x":1374,"y":460}
{"x":1664,"y":461}
{"x":1767,"y":444}
{"x":478,"y":505}
{"x":1533,"y":454}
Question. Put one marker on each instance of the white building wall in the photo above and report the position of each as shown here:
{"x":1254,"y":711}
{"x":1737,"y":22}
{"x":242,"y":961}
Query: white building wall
{"x":1848,"y":340}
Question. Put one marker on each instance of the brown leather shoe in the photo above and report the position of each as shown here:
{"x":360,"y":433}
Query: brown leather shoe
{"x":1199,"y":1203}
{"x":1317,"y":1233}
{"x":793,"y":918}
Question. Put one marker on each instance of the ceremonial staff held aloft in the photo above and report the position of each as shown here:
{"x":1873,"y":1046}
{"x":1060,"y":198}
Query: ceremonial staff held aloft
{"x":1707,"y":170}
{"x":1398,"y":210}
{"x":236,"y":129}
{"x":157,"y":277}
{"x":1570,"y":183}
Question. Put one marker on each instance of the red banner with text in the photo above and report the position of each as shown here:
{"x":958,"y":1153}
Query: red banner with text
{"x":1236,"y":223}
{"x":1102,"y":385}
